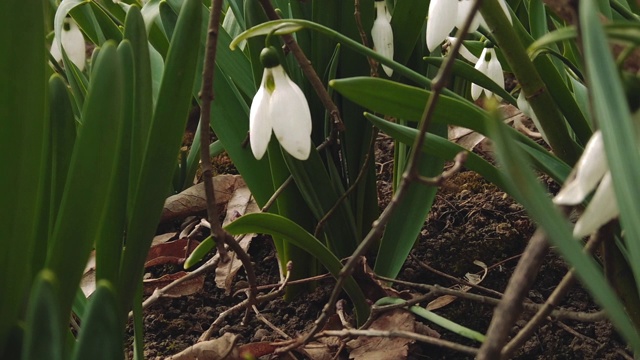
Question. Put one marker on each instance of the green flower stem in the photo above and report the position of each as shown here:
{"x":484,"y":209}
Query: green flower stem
{"x":534,"y":88}
{"x":297,"y":24}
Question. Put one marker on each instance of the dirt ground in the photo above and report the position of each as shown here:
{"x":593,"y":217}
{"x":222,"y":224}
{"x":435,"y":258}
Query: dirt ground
{"x":471,"y":220}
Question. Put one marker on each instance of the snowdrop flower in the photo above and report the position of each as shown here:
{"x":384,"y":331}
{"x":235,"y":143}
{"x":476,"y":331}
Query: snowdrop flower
{"x":279,"y":106}
{"x":489,"y":65}
{"x":591,"y":169}
{"x":382,"y":34}
{"x":463,"y":51}
{"x":444,"y":15}
{"x":72,"y":42}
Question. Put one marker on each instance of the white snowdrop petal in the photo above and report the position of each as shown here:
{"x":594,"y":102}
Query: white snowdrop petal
{"x":290,"y":116}
{"x":464,"y":52}
{"x":494,"y":71}
{"x":464,"y":7}
{"x":73,"y":43}
{"x":442,"y":19}
{"x":382,"y":35}
{"x":602,"y":209}
{"x":591,"y":167}
{"x":482,"y":66}
{"x":259,"y":120}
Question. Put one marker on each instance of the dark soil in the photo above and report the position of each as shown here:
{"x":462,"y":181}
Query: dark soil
{"x":471,"y":220}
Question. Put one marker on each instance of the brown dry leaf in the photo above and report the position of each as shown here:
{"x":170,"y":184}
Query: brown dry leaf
{"x":383,"y":348}
{"x":445,"y":300}
{"x":470,"y":139}
{"x":194,"y":200}
{"x":188,"y":287}
{"x":239,"y":204}
{"x":174,"y":252}
{"x":163,"y":238}
{"x":256,"y":350}
{"x":222,"y":348}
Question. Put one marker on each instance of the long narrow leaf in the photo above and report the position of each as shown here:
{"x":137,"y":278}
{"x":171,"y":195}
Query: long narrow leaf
{"x":163,"y":143}
{"x":612,"y":113}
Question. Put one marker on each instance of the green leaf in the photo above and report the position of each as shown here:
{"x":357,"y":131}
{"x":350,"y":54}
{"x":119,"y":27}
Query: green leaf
{"x":142,"y":99}
{"x":405,"y":224}
{"x":281,"y":227}
{"x":200,"y":252}
{"x":100,"y":336}
{"x":23,"y":99}
{"x":44,"y":329}
{"x":312,"y":179}
{"x":611,"y":111}
{"x":163,"y":144}
{"x":406,"y":102}
{"x":84,"y":202}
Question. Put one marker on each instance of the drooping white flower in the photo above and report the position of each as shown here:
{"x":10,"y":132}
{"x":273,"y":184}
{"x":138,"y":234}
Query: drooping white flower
{"x":382,"y":34}
{"x":591,"y":169}
{"x":279,"y":106}
{"x":73,"y":44}
{"x":490,"y":67}
{"x":444,"y":15}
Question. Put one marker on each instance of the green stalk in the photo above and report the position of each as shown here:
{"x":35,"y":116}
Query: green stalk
{"x":534,"y":88}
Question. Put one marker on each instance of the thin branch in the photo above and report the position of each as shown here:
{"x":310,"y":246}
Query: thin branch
{"x":373,"y":65}
{"x":207,"y":96}
{"x":437,"y":290}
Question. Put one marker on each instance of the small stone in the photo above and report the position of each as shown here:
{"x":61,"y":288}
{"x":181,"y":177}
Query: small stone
{"x":260,"y":334}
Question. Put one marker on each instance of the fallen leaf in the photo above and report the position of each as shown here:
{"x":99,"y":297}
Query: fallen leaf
{"x":185,"y":288}
{"x":445,"y":300}
{"x":194,"y":200}
{"x":384,"y":348}
{"x":241,"y":203}
{"x":222,"y":348}
{"x":163,"y":238}
{"x":174,"y":252}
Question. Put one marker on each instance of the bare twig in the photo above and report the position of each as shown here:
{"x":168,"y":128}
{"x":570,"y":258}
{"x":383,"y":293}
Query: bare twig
{"x":373,"y":65}
{"x":411,"y":174}
{"x":162,"y":293}
{"x":439,"y":180}
{"x":207,"y":96}
{"x":307,"y":69}
{"x":437,"y":290}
